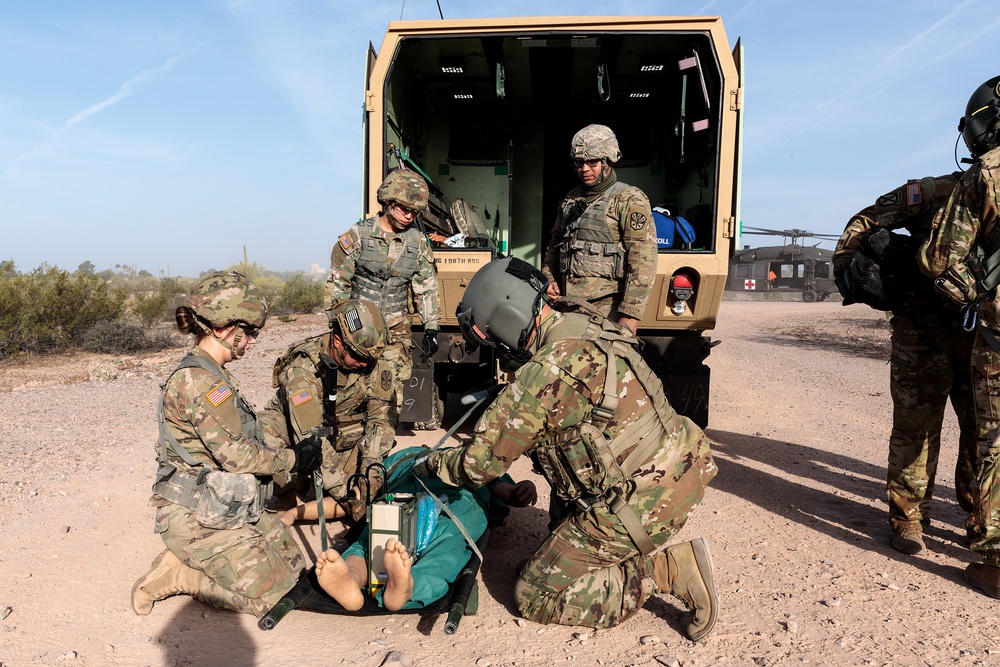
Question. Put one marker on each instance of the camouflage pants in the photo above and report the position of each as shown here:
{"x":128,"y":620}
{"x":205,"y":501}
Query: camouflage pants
{"x":929,"y":364}
{"x":397,"y":361}
{"x":985,"y":532}
{"x":589,"y":572}
{"x":248,"y":569}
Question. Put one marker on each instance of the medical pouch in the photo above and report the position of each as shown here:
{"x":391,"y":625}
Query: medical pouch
{"x":228,"y":500}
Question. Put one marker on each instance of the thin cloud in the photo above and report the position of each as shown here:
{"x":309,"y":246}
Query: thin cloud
{"x":125,"y":91}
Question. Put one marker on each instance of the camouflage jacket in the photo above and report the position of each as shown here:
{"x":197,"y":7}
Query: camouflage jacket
{"x":423,"y":284}
{"x":550,"y":395}
{"x":965,"y":224}
{"x":630,"y":224}
{"x":912,"y":207}
{"x":363,"y":402}
{"x":203,"y":415}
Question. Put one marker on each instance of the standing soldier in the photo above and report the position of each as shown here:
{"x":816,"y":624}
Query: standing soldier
{"x":961,"y":253}
{"x":930,"y":360}
{"x":603,"y":246}
{"x":595,"y":417}
{"x":380,"y":260}
{"x":333,"y":390}
{"x":215,"y":467}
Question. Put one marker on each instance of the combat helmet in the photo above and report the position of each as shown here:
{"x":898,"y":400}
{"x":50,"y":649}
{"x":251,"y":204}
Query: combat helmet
{"x":979,"y":125}
{"x":227,"y":297}
{"x":404,"y":187}
{"x":499,"y":307}
{"x":595,"y":142}
{"x":362,"y":329}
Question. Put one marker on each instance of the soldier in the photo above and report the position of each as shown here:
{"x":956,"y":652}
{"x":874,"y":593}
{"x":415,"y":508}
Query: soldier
{"x":595,"y":417}
{"x":215,"y":468}
{"x":930,"y":362}
{"x":334,"y":389}
{"x":379,"y":260}
{"x":961,"y":254}
{"x":603,"y":245}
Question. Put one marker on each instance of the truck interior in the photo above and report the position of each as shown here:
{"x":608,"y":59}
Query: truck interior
{"x":489,"y":119}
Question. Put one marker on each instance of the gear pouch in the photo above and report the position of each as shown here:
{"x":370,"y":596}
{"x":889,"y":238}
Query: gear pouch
{"x":228,"y":500}
{"x":958,"y":284}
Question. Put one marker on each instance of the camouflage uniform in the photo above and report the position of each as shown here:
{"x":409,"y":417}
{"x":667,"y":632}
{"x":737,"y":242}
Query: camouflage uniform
{"x":589,"y":571}
{"x":250,"y":568}
{"x":396,"y":263}
{"x":603,"y":247}
{"x":966,"y":221}
{"x":930,"y":362}
{"x":364,"y":402}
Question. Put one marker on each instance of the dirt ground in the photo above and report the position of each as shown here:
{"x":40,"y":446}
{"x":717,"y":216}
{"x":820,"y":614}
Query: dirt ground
{"x":796,"y":519}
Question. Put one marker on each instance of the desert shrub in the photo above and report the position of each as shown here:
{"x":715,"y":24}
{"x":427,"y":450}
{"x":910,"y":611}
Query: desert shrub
{"x":123,"y":337}
{"x":49,"y":308}
{"x":299,"y":295}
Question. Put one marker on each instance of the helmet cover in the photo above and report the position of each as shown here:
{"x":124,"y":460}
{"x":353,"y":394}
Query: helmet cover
{"x":226,"y":297}
{"x":362,"y":329}
{"x":404,"y":187}
{"x":595,"y":142}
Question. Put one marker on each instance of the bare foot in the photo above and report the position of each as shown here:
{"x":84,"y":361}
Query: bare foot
{"x":399,"y":584}
{"x":335,"y":578}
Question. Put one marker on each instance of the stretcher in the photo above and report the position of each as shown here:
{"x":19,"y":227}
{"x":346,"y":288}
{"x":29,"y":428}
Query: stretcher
{"x":462,"y":598}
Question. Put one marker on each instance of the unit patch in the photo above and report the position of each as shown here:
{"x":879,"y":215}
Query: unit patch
{"x":890,"y":199}
{"x":637,"y":220}
{"x":386,"y":379}
{"x":220,"y":394}
{"x":301,"y":398}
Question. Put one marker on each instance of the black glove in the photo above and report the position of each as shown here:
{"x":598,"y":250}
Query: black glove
{"x":308,"y":455}
{"x":430,"y":344}
{"x":421,"y":469}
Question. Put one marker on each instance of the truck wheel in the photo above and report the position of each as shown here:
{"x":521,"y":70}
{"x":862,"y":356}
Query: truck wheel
{"x":809,"y":295}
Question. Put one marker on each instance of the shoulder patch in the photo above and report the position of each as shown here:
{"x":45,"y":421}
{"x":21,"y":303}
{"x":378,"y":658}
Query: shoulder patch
{"x":913,"y":192}
{"x":890,"y":199}
{"x":386,"y":380}
{"x":637,"y":220}
{"x":301,"y":398}
{"x":349,"y":242}
{"x":220,"y":394}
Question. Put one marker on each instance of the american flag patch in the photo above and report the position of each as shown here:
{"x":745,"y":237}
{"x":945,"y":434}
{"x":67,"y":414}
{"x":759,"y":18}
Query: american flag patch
{"x":912,"y":194}
{"x":219,"y":395}
{"x":353,"y":320}
{"x":347,"y":243}
{"x":302,"y":397}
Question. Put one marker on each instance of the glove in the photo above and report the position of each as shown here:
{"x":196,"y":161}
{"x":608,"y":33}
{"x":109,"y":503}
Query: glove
{"x":421,"y":469}
{"x":308,"y":455}
{"x":842,"y":278}
{"x":430,"y":343}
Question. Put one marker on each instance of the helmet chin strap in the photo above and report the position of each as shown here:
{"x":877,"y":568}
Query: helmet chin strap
{"x":233,"y":347}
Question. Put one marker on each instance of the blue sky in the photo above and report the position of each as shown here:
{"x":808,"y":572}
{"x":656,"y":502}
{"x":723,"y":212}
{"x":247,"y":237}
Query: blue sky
{"x":169,"y":135}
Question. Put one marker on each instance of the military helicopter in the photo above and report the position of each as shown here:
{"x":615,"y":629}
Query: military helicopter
{"x":791,"y":267}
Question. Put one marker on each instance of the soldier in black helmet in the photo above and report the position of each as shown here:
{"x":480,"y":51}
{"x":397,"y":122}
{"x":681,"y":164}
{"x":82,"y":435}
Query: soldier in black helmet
{"x":381,"y":260}
{"x":962,"y":254}
{"x":603,"y":246}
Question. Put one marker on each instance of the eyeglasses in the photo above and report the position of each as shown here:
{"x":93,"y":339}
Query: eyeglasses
{"x":578,"y":164}
{"x":249,"y":329}
{"x":406,"y":211}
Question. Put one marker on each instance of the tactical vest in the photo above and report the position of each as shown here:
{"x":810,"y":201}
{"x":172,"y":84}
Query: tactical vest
{"x":587,"y":248}
{"x":375,"y":280}
{"x":586,"y":466}
{"x":189,"y":489}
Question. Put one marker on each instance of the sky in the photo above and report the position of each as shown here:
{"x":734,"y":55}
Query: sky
{"x":168,"y":136}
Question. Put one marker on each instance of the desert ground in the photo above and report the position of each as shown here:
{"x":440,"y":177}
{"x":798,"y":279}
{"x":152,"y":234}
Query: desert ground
{"x":796,"y":519}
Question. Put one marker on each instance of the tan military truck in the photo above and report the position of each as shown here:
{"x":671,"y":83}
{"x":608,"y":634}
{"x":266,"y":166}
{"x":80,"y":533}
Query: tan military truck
{"x":485,"y":110}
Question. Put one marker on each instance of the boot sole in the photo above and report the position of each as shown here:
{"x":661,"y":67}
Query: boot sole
{"x":703,"y":557}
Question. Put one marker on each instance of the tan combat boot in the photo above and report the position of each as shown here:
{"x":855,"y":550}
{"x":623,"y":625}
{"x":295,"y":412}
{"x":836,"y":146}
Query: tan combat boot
{"x":167,"y":576}
{"x":685,"y":571}
{"x":984,"y":577}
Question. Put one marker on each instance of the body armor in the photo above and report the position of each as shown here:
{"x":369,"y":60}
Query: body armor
{"x":377,"y":281}
{"x":588,"y":249}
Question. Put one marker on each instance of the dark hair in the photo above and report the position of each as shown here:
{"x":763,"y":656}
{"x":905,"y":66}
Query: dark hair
{"x":188,"y":322}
